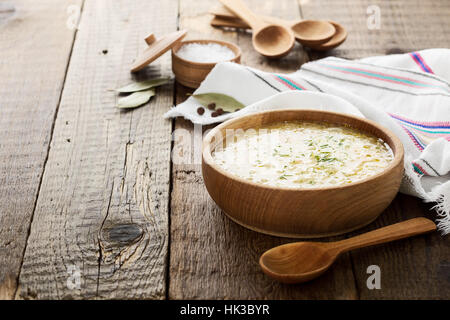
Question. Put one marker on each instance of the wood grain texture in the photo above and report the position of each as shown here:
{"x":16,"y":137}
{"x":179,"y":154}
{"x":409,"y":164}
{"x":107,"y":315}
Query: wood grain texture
{"x":400,"y":30}
{"x":102,"y":212}
{"x":35,"y":46}
{"x":416,"y":268}
{"x":211,"y":257}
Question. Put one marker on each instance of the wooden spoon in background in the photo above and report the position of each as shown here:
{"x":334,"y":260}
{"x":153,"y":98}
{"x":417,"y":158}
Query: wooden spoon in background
{"x":307,"y":32}
{"x":269,"y":39}
{"x":337,"y":39}
{"x":228,"y":22}
{"x":303,"y":261}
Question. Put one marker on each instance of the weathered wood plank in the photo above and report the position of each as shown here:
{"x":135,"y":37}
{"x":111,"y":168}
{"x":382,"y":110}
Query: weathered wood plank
{"x":416,"y":268}
{"x":210,"y":256}
{"x":35,"y":46}
{"x":102,"y":212}
{"x":405,"y":25}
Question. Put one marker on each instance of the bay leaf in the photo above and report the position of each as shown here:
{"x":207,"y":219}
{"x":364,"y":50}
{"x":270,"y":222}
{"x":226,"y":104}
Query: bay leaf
{"x":135,"y":99}
{"x":143,"y":85}
{"x":227,"y":103}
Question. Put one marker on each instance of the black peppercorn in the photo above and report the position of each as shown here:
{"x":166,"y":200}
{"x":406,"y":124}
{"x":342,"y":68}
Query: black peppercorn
{"x":200,"y":110}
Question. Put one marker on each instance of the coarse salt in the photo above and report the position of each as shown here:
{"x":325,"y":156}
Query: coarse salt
{"x":205,"y":52}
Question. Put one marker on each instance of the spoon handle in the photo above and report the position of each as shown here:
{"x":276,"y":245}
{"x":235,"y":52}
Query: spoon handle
{"x":393,"y":232}
{"x":224,"y":13}
{"x":243,"y":12}
{"x":231,"y":23}
{"x":239,"y":23}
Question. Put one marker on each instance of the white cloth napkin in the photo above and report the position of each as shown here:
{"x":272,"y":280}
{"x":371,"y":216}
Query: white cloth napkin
{"x":408,"y":93}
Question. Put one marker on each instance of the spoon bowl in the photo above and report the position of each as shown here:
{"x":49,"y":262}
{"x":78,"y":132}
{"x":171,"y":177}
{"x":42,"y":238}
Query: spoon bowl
{"x":303,"y":261}
{"x":297,"y":262}
{"x":338,"y":38}
{"x":273,"y":41}
{"x":313,"y":32}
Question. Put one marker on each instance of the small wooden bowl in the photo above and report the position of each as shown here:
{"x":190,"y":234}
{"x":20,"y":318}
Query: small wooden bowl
{"x":190,"y":73}
{"x":302,"y":213}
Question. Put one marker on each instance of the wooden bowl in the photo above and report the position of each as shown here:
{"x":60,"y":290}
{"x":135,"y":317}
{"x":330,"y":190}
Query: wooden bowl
{"x":302,"y":213}
{"x":190,"y":73}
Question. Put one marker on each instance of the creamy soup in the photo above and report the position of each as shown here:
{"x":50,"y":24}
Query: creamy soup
{"x":303,"y":155}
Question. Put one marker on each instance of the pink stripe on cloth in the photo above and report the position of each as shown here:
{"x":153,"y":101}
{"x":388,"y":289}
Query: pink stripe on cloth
{"x":420,"y":168}
{"x":428,"y":123}
{"x":296,"y":83}
{"x":413,"y":138}
{"x":420,"y":61}
{"x":376,"y":78}
{"x":385,"y":75}
{"x":284,"y":82}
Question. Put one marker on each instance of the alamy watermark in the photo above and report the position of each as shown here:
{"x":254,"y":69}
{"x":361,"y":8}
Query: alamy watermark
{"x":74,"y":279}
{"x":374,"y":280}
{"x":374,"y":17}
{"x":73,"y":19}
{"x":188,"y":144}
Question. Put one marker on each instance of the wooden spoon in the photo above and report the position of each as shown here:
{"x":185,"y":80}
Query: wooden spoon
{"x":307,"y":32}
{"x":269,"y":39}
{"x":303,"y":261}
{"x":337,"y":39}
{"x":228,"y":22}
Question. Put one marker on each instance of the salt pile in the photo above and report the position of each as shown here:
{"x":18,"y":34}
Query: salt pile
{"x":205,"y":52}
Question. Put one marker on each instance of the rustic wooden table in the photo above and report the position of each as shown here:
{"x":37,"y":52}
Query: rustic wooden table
{"x":89,"y":193}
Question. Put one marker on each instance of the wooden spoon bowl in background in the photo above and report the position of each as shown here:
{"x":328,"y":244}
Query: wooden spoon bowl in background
{"x":269,"y":39}
{"x":272,"y":41}
{"x":337,"y":39}
{"x":307,"y":32}
{"x":313,"y":32}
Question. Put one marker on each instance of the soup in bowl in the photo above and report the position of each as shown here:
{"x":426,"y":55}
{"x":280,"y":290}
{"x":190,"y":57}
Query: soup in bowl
{"x":302,"y":173}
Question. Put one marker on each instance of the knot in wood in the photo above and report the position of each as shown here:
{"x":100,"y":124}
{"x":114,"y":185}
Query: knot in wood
{"x":122,"y":234}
